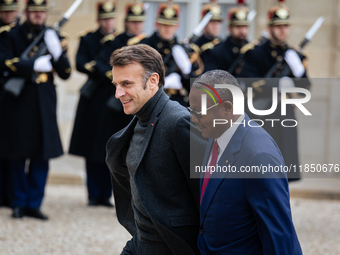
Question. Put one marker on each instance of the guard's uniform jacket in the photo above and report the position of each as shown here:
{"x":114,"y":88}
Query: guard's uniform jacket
{"x":5,"y":187}
{"x":203,"y":39}
{"x":28,"y":123}
{"x":258,"y":62}
{"x":223,"y":55}
{"x":4,"y":29}
{"x":95,"y":120}
{"x":206,"y":45}
{"x":164,"y":47}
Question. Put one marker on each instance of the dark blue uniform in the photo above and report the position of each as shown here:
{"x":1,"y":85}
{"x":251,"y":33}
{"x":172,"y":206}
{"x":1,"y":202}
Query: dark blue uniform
{"x":225,"y":55}
{"x":103,"y":58}
{"x":96,"y":120}
{"x":203,"y":39}
{"x":206,"y":44}
{"x":257,"y":64}
{"x":28,"y":123}
{"x":164,"y":47}
{"x":5,"y":196}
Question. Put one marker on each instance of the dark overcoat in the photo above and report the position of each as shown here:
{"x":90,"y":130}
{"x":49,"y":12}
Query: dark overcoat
{"x":28,"y":123}
{"x":162,"y":177}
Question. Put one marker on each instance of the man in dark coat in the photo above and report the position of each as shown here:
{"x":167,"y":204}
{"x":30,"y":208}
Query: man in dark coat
{"x":258,"y":63}
{"x":28,"y":123}
{"x":8,"y":14}
{"x":156,"y":201}
{"x":95,"y":120}
{"x":227,"y":55}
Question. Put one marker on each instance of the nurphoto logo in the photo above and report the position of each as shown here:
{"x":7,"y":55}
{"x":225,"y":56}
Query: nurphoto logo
{"x":238,"y":102}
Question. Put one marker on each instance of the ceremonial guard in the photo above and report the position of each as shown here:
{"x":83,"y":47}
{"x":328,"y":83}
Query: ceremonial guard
{"x":28,"y":123}
{"x":95,"y":120}
{"x":178,"y":67}
{"x":227,"y":55}
{"x":8,"y":14}
{"x":210,"y":37}
{"x":276,"y":59}
{"x":134,"y":25}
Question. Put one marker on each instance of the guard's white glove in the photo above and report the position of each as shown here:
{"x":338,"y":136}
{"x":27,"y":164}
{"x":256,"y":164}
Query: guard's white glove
{"x":173,"y":81}
{"x":294,"y":63}
{"x":181,"y":59}
{"x":53,"y":44}
{"x":43,"y":64}
{"x":286,"y":82}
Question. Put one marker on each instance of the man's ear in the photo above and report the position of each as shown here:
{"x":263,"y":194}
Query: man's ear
{"x":153,"y":80}
{"x":228,"y":107}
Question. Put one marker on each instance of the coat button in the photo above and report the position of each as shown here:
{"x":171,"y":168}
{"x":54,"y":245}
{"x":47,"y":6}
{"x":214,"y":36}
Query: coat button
{"x":201,"y":231}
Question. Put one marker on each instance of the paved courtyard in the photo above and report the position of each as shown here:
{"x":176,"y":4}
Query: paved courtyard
{"x":75,"y":228}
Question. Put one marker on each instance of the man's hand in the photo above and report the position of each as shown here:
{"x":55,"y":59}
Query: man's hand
{"x":43,"y":64}
{"x":294,"y":63}
{"x":181,"y":59}
{"x":53,"y":44}
{"x":173,"y":81}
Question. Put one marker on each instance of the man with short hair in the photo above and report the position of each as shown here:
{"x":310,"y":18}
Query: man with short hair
{"x":28,"y":123}
{"x":156,"y":201}
{"x":225,"y":55}
{"x":241,"y":212}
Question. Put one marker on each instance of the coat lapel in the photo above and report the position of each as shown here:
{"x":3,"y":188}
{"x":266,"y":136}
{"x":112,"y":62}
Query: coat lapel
{"x":226,"y":159}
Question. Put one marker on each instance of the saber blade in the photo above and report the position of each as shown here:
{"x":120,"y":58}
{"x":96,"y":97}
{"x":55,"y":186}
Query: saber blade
{"x":202,"y":24}
{"x":251,"y":15}
{"x":71,"y":10}
{"x":314,"y":28}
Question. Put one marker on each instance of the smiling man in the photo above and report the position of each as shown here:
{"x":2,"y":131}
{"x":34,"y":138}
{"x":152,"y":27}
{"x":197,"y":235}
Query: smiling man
{"x":156,"y":201}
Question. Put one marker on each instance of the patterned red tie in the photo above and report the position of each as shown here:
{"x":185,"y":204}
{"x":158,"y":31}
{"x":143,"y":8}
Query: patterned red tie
{"x":207,"y":173}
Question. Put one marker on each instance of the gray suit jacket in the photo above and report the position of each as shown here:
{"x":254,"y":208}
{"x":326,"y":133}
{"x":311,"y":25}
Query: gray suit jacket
{"x":162,"y":177}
